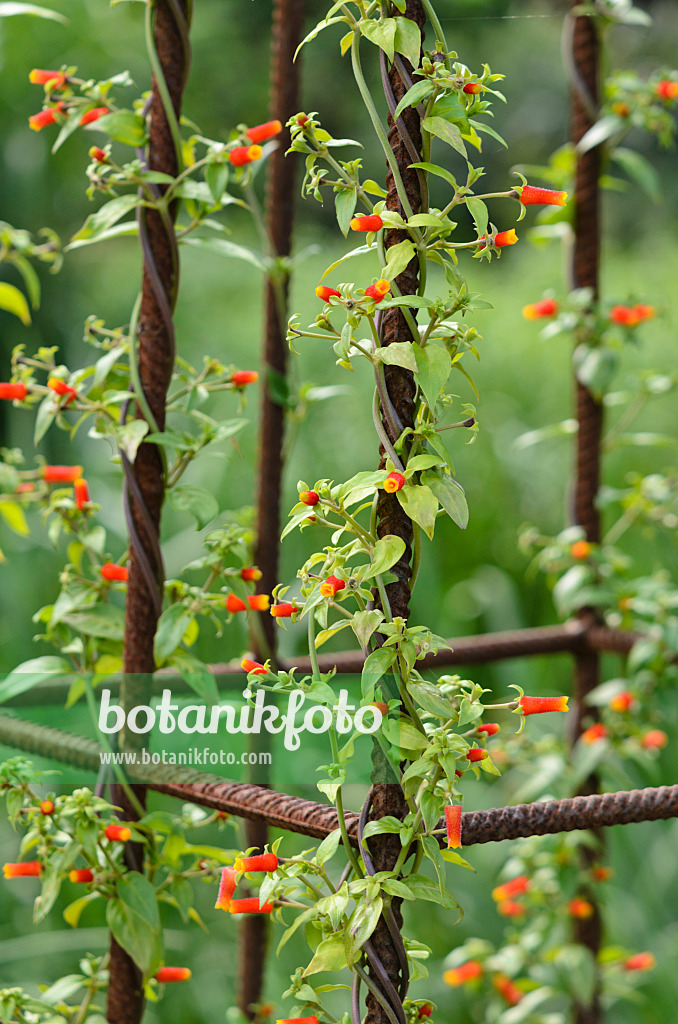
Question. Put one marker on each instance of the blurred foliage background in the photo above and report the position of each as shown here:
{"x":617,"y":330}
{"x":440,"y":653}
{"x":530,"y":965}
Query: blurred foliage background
{"x":470,"y":582}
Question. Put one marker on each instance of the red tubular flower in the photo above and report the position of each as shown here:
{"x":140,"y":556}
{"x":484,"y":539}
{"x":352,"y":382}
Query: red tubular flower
{"x":505,"y":987}
{"x":580,"y":909}
{"x":580,"y":550}
{"x":640,"y":961}
{"x":624,"y":316}
{"x":302,"y":120}
{"x":643,"y":311}
{"x":378,"y":290}
{"x":242,"y":377}
{"x":55,"y":79}
{"x":118,"y":833}
{"x":425,"y":1011}
{"x":666,"y":89}
{"x":539,"y":705}
{"x":472,"y":88}
{"x":252,"y":575}
{"x":309,"y":497}
{"x":511,"y":908}
{"x":62,"y":388}
{"x":373,"y":222}
{"x":656,"y":739}
{"x":110,"y":571}
{"x":47,"y":807}
{"x":325,"y":293}
{"x":503,"y":238}
{"x":394,"y":482}
{"x":250,"y":905}
{"x":622,"y":701}
{"x":226,"y":889}
{"x":540,"y":310}
{"x":166,"y":975}
{"x":261,"y":132}
{"x":283,"y":611}
{"x":514,"y":887}
{"x":247,"y":665}
{"x":46,"y":117}
{"x":531,"y":196}
{"x":242,"y":155}
{"x":453,"y":825}
{"x":26,"y":869}
{"x":602,"y":873}
{"x":259,"y":602}
{"x":81,"y":875}
{"x":97,"y":153}
{"x":235,"y":604}
{"x":456,"y":976}
{"x":93,"y":115}
{"x":61,"y":474}
{"x":81,"y":492}
{"x":477,"y":754}
{"x":594,"y":733}
{"x":260,"y":862}
{"x":331,"y":586}
{"x":491,"y":729}
{"x":297,"y":1020}
{"x":15,"y":392}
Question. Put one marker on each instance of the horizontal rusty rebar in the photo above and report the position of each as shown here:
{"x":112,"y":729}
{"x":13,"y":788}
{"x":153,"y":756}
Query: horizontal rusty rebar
{"x":316,"y":820}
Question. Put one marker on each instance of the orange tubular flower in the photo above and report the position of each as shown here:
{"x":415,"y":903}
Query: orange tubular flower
{"x":510,"y":908}
{"x":243,"y":377}
{"x":503,"y":238}
{"x":283,"y":611}
{"x":625,"y":316}
{"x":261,"y":132}
{"x":242,"y":155}
{"x":477,"y":754}
{"x":666,"y":89}
{"x":643,"y":311}
{"x":46,"y":117}
{"x":594,"y":733}
{"x":259,"y":602}
{"x":250,"y":905}
{"x":640,"y":962}
{"x":453,"y":825}
{"x":331,"y":586}
{"x":394,"y":482}
{"x":378,"y":290}
{"x":580,"y":909}
{"x":514,"y":887}
{"x":235,"y":604}
{"x":326,"y":293}
{"x":531,"y":196}
{"x":623,"y":701}
{"x":540,"y":310}
{"x":55,"y":79}
{"x":456,"y":976}
{"x":309,"y":497}
{"x":13,"y":392}
{"x":166,"y":975}
{"x":656,"y":739}
{"x":539,"y":705}
{"x":247,"y":665}
{"x":62,"y":388}
{"x":47,"y":807}
{"x":505,"y":987}
{"x":81,"y":492}
{"x":93,"y":115}
{"x":297,"y":1020}
{"x":373,"y":222}
{"x":252,"y":575}
{"x":97,"y":153}
{"x":110,"y":571}
{"x":118,"y":833}
{"x":260,"y":862}
{"x":26,"y":869}
{"x":491,"y":729}
{"x":580,"y":550}
{"x":61,"y":474}
{"x":226,"y":889}
{"x":602,"y":873}
{"x":81,"y":875}
{"x":472,"y":88}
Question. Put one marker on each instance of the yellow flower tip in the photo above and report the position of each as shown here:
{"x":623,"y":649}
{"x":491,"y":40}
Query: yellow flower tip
{"x":254,"y":152}
{"x":238,"y":864}
{"x":530,"y":313}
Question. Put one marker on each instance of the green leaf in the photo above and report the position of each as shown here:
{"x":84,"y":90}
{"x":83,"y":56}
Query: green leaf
{"x":14,"y":301}
{"x":10,"y":9}
{"x":30,"y":673}
{"x":328,"y":847}
{"x":386,"y":553}
{"x":429,"y":697}
{"x":639,"y":170}
{"x":402,"y":733}
{"x":364,"y":920}
{"x":44,"y":418}
{"x":106,"y":621}
{"x":197,"y":501}
{"x":399,"y":353}
{"x":446,"y":131}
{"x":364,"y":624}
{"x":130,"y":435}
{"x":172,"y":625}
{"x":426,"y":889}
{"x":421,"y":505}
{"x":601,"y":131}
{"x":135,"y":934}
{"x":397,"y":259}
{"x":408,"y":40}
{"x":137,"y":893}
{"x":439,"y":172}
{"x":130,"y":227}
{"x":345,"y":200}
{"x":222,"y":247}
{"x":376,"y":664}
{"x":13,"y":514}
{"x":74,"y":910}
{"x":329,"y":956}
{"x":413,"y":96}
{"x":478,"y":210}
{"x":433,"y":368}
{"x":109,"y":214}
{"x":451,"y":496}
{"x":595,"y":366}
{"x":315,"y":31}
{"x":123,"y":125}
{"x":216,"y":176}
{"x":382,"y":33}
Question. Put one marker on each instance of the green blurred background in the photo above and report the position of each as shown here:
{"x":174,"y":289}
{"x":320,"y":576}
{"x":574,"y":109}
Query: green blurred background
{"x":470,"y":582}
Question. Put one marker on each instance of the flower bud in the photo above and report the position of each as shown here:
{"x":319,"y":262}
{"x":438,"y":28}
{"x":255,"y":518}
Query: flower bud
{"x":252,"y":575}
{"x":251,"y":905}
{"x":283,"y":611}
{"x":666,"y":89}
{"x":580,"y":550}
{"x":97,"y":153}
{"x":505,"y":987}
{"x":14,"y":392}
{"x":540,"y":310}
{"x":262,"y":132}
{"x":457,"y":976}
{"x":242,"y":155}
{"x":309,"y":497}
{"x":242,"y":377}
{"x":581,"y":909}
{"x":62,"y":389}
{"x":472,"y":88}
{"x":226,"y":889}
{"x":167,"y":975}
{"x":594,"y":733}
{"x":90,"y":116}
{"x":46,"y":117}
{"x":61,"y":474}
{"x":47,"y":807}
{"x":511,"y":908}
{"x":640,"y":961}
{"x":81,"y":493}
{"x":621,"y":702}
{"x":258,"y":602}
{"x":503,"y":238}
{"x":514,"y":887}
{"x":491,"y":729}
{"x":83,"y":875}
{"x":118,"y":833}
{"x":373,"y":222}
{"x":476,"y":754}
{"x":112,"y":572}
{"x":656,"y":739}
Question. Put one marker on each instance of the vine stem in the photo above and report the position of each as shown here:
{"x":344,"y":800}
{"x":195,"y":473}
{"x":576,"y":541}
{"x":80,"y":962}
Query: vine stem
{"x":377,"y":993}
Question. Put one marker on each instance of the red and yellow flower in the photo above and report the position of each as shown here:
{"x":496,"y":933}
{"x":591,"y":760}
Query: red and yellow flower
{"x":262,"y":132}
{"x":490,"y":728}
{"x":284,"y":610}
{"x":640,"y":961}
{"x":326,"y":294}
{"x":656,"y":739}
{"x":54,"y":79}
{"x":331,"y":586}
{"x":250,"y":905}
{"x":81,"y":493}
{"x":505,"y":987}
{"x":472,"y":88}
{"x":259,"y":862}
{"x":514,"y":887}
{"x":540,"y":705}
{"x":453,"y":826}
{"x":226,"y":889}
{"x":24,"y":869}
{"x":14,"y":391}
{"x":594,"y":733}
{"x":580,"y":908}
{"x":167,"y":975}
{"x":240,"y":156}
{"x":378,"y":290}
{"x":46,"y":117}
{"x":504,"y":238}
{"x":394,"y":482}
{"x":47,"y":807}
{"x":623,"y":701}
{"x":457,"y":976}
{"x":667,"y":89}
{"x":309,"y":497}
{"x":243,"y":377}
{"x":82,"y":875}
{"x":251,"y":574}
{"x":476,"y":754}
{"x":247,"y":665}
{"x":61,"y":474}
{"x":62,"y":389}
{"x":259,"y":602}
{"x":113,"y":572}
{"x":235,"y":604}
{"x":372,"y":222}
{"x":90,"y":116}
{"x":580,"y":550}
{"x":540,"y":310}
{"x":531,"y":196}
{"x":118,"y":833}
{"x":511,"y":908}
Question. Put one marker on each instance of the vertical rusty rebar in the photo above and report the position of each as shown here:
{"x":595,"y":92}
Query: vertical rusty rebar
{"x":585,"y":274}
{"x":387,"y":797}
{"x":145,"y":479}
{"x":288,"y":17}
